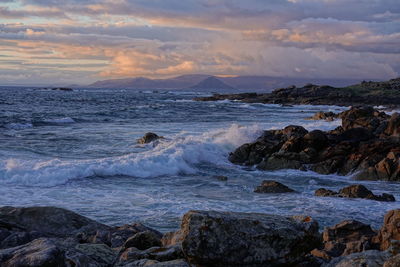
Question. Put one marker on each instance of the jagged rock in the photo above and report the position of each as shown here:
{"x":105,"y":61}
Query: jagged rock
{"x":268,"y":186}
{"x":148,"y":138}
{"x":390,"y":231}
{"x":155,"y":253}
{"x":144,"y":240}
{"x":359,"y":145}
{"x":346,"y":238}
{"x":354,"y":191}
{"x":212,"y":238}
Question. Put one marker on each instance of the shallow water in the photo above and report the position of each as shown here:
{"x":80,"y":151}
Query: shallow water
{"x":78,"y":150}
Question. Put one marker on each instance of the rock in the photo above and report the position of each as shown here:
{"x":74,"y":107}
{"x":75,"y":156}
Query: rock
{"x":354,"y":191}
{"x":155,"y":253}
{"x":120,"y":234}
{"x":154,"y":263}
{"x":360,"y":191}
{"x":48,"y":221}
{"x":101,"y":254}
{"x":316,"y":139}
{"x":390,"y":231}
{"x":328,"y":116}
{"x":346,"y":238}
{"x":369,"y":258}
{"x":393,"y":127}
{"x":322,"y":192}
{"x":144,"y":240}
{"x":40,"y":252}
{"x":392,"y":262}
{"x":268,"y":186}
{"x":221,"y":177}
{"x":213,"y":238}
{"x":148,"y":138}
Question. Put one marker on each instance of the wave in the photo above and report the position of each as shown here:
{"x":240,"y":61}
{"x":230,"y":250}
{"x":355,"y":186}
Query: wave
{"x":65,"y":120}
{"x":18,"y":126}
{"x":170,"y":157}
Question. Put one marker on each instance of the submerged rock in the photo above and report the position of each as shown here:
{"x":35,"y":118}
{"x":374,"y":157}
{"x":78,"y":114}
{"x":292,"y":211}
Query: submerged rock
{"x":268,"y":186}
{"x":211,"y":238}
{"x":148,"y":138}
{"x":354,"y":191}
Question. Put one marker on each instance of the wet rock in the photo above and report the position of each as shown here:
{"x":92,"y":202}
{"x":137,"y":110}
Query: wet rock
{"x":148,"y":138}
{"x":354,"y":191}
{"x":328,"y":116}
{"x":269,"y":186}
{"x":322,"y":192}
{"x":390,"y":231}
{"x":360,"y":191}
{"x":144,"y":240}
{"x":212,"y":238}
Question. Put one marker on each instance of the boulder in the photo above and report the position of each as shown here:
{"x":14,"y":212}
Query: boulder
{"x":38,"y":253}
{"x":211,"y":238}
{"x":48,"y":221}
{"x":347,"y":237}
{"x":393,"y":127}
{"x":148,"y":138}
{"x":369,"y":258}
{"x":354,"y":191}
{"x":143,"y":240}
{"x":390,"y":231}
{"x":120,"y":234}
{"x":268,"y":186}
{"x":328,"y":116}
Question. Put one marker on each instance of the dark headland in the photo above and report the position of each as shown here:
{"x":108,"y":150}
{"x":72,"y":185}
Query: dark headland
{"x":366,"y":93}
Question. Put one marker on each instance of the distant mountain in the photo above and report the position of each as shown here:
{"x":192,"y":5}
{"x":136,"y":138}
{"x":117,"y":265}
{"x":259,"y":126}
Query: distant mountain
{"x":195,"y":81}
{"x":212,"y":83}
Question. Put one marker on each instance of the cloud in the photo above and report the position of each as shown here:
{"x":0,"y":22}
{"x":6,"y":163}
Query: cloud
{"x":123,"y":38}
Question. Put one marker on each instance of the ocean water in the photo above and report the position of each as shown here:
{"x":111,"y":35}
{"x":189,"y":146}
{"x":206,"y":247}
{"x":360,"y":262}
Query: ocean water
{"x":78,"y":150}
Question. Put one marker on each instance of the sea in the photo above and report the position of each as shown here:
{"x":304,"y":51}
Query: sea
{"x":78,"y":150}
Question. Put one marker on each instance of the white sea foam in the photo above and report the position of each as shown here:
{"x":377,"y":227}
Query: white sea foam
{"x":64,"y":120}
{"x":18,"y":126}
{"x":167,"y":158}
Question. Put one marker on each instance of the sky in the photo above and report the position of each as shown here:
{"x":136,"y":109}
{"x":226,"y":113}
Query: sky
{"x":81,"y":41}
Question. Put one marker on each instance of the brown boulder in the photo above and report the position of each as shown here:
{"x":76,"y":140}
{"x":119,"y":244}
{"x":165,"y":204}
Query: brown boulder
{"x":354,"y":191}
{"x":390,"y":230}
{"x":393,"y":128}
{"x":148,"y":138}
{"x":268,"y":186}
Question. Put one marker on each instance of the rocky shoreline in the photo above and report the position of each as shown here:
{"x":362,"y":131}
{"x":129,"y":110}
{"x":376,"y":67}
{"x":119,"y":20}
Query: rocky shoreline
{"x":366,"y":93}
{"x":367,"y":145}
{"x":50,"y":236}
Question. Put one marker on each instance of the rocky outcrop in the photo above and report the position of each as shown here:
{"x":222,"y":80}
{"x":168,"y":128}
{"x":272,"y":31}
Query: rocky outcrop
{"x":268,"y":186}
{"x":355,"y":191}
{"x":390,"y":231}
{"x":345,"y":238}
{"x":366,"y":93}
{"x":212,"y":238}
{"x":148,"y":138}
{"x":362,"y":145}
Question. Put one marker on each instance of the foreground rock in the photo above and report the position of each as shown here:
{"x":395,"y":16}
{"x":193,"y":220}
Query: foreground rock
{"x":148,"y":138}
{"x":366,"y":143}
{"x":355,"y":191}
{"x":212,"y":238}
{"x":272,"y":187}
{"x":366,"y":93}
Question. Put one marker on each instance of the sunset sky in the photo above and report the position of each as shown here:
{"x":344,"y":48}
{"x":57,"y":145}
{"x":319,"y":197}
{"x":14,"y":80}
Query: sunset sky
{"x":81,"y":41}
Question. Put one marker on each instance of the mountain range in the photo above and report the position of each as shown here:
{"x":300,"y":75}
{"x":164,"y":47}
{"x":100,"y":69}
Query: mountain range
{"x":209,"y":82}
